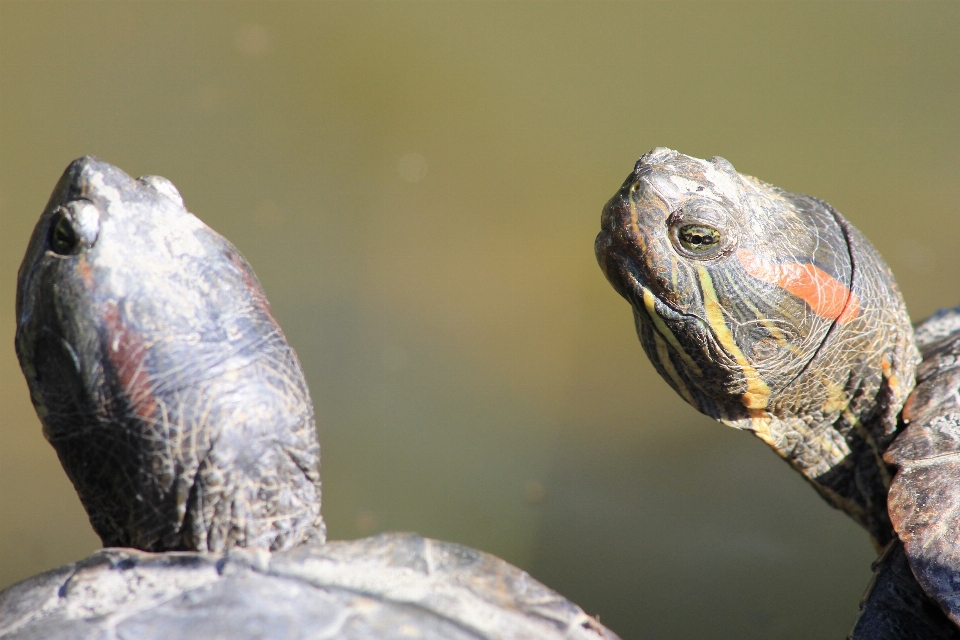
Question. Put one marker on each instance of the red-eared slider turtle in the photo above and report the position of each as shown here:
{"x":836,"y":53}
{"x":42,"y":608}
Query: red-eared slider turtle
{"x":770,"y":312}
{"x":181,"y":415}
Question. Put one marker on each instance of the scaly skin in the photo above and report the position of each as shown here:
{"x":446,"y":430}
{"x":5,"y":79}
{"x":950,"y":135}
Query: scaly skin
{"x":181,"y":415}
{"x":169,"y":392}
{"x":768,"y":311}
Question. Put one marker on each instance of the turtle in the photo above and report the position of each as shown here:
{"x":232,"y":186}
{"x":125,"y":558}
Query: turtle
{"x":181,"y":415}
{"x":769,"y":312}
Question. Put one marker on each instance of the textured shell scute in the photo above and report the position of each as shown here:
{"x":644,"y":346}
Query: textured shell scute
{"x":943,"y":323}
{"x":390,"y":586}
{"x":33,"y":599}
{"x":924,"y":498}
{"x":928,"y":443}
{"x":479,"y":590}
{"x":925,"y":510}
{"x":895,"y":607}
{"x":89,"y":598}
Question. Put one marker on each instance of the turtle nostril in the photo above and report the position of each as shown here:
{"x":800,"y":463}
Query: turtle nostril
{"x":164,"y":187}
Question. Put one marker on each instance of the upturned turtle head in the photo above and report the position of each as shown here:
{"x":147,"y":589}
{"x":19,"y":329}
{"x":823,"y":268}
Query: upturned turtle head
{"x":763,"y":309}
{"x":168,"y":390}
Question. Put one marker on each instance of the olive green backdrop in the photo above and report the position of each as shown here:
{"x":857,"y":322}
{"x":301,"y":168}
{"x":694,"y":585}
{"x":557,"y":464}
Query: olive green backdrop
{"x":418,"y":187}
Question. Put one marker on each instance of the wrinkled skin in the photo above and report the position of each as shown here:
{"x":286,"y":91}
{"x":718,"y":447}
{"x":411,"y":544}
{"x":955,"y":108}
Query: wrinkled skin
{"x":702,"y":252}
{"x":768,"y":311}
{"x":169,"y":392}
{"x":181,"y":414}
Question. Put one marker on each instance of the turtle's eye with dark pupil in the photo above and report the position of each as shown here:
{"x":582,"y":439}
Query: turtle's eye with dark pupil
{"x":63,"y":237}
{"x":698,"y":238}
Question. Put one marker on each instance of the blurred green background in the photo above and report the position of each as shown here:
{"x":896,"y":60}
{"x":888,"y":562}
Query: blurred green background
{"x":418,"y":186}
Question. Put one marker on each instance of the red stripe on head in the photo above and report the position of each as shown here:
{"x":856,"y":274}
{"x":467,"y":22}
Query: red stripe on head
{"x":127,"y":353}
{"x":826,"y":296}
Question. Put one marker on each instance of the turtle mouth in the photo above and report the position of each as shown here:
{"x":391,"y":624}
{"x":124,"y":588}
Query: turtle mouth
{"x":620,"y":248}
{"x":618,"y":262}
{"x":626,"y":277}
{"x":646,"y":301}
{"x":636,"y":285}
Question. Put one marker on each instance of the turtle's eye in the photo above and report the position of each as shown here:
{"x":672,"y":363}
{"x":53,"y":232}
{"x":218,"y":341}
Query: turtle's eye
{"x":699,"y":239}
{"x":702,"y":230}
{"x":75,"y":226}
{"x":63,"y":237}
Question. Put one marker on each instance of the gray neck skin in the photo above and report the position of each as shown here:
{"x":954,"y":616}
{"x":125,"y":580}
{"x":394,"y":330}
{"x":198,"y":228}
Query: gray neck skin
{"x":876,"y":358}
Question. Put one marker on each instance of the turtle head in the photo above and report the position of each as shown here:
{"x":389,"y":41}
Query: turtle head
{"x":762,"y":308}
{"x":168,"y":390}
{"x":674,"y":221}
{"x":684,"y":240}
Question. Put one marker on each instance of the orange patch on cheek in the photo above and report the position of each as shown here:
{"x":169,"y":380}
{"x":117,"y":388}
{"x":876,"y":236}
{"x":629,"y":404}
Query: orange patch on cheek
{"x":826,"y":296}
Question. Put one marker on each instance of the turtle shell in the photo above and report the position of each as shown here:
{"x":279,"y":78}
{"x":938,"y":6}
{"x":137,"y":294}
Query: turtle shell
{"x":391,"y":586}
{"x":914,"y":593}
{"x":924,"y":498}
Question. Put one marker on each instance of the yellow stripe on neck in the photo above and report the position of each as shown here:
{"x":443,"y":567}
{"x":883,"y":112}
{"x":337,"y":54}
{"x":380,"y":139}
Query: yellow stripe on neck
{"x":662,"y":328}
{"x":663,"y":355}
{"x":757,"y":396}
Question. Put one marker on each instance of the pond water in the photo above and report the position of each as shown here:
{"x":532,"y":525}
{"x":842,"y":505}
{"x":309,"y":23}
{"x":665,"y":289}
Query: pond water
{"x":418,"y":186}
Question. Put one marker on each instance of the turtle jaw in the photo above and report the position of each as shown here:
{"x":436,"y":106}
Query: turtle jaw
{"x":628,"y":247}
{"x":671,"y":318}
